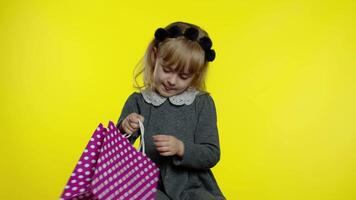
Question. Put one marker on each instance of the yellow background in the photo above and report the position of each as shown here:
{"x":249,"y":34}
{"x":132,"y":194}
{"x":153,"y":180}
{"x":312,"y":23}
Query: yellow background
{"x":283,"y":82}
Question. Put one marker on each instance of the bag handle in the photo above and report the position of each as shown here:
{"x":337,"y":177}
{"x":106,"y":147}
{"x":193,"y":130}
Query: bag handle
{"x":141,"y":146}
{"x":142,"y":140}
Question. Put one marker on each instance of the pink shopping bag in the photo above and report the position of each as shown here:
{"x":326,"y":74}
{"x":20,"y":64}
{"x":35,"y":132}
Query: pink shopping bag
{"x":111,"y":168}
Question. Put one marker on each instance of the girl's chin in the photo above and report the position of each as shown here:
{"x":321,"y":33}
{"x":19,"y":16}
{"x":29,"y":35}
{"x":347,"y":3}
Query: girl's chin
{"x":165,"y":93}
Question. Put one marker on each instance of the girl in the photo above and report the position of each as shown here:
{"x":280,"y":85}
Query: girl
{"x":179,"y":116}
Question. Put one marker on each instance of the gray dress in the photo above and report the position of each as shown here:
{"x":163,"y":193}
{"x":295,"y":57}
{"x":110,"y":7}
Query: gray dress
{"x":190,"y":117}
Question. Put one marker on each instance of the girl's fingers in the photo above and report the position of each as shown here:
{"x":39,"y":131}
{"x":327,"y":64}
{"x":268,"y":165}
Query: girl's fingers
{"x":166,"y":154}
{"x":137,"y":117}
{"x":160,"y":138}
{"x":134,"y":125}
{"x":162,"y":144}
{"x":141,"y":118}
{"x":134,"y":117}
{"x":163,"y":149}
{"x":128,"y":128}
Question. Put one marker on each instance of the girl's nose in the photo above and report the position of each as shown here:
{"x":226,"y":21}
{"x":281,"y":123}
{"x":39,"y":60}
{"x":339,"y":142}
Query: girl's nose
{"x":172,"y":80}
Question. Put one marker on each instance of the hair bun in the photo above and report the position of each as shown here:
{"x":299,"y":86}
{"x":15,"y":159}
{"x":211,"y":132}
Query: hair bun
{"x":174,"y":31}
{"x":161,"y":34}
{"x":210,"y":55}
{"x":205,"y":43}
{"x":191,"y":33}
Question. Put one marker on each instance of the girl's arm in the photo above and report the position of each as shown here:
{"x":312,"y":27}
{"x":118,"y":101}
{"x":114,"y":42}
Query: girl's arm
{"x":204,"y":152}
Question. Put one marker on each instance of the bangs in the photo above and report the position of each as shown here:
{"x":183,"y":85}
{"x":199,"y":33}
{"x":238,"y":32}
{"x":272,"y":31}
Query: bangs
{"x":182,"y":56}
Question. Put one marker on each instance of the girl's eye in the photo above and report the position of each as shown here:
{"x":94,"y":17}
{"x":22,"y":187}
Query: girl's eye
{"x":184,"y":77}
{"x":166,"y":70}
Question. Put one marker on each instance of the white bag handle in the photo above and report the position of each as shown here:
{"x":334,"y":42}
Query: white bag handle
{"x":142,"y":141}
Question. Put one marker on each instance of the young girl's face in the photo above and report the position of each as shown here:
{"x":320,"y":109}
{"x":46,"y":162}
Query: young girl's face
{"x":169,"y":82}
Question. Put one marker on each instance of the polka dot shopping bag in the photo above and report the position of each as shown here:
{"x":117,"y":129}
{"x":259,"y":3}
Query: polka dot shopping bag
{"x":110,"y":168}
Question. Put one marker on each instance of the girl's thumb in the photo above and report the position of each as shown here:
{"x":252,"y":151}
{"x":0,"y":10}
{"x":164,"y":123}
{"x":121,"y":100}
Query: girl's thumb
{"x":141,"y":118}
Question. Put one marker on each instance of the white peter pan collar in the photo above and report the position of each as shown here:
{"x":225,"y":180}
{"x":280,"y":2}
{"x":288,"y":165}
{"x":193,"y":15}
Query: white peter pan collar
{"x":187,"y":97}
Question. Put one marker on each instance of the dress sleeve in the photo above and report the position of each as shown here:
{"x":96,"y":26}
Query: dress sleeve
{"x":204,"y":152}
{"x":131,"y":106}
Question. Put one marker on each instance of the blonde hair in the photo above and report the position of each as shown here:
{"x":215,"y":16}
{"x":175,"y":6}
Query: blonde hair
{"x":186,"y":54}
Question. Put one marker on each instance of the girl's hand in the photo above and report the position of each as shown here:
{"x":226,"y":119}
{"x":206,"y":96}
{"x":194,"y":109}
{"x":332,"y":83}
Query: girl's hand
{"x":168,"y":145}
{"x":130,"y":123}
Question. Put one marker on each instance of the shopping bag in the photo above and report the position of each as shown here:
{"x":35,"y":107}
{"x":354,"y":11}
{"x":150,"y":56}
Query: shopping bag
{"x":111,"y":168}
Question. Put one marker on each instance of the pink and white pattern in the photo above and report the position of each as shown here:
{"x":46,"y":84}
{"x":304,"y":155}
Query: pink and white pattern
{"x":111,"y":168}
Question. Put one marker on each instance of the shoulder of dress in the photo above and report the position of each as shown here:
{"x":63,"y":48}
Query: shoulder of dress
{"x":203,"y":95}
{"x":134,"y":97}
{"x":205,"y":101}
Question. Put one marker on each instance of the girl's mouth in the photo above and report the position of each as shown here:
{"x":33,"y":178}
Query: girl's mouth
{"x":167,"y":88}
